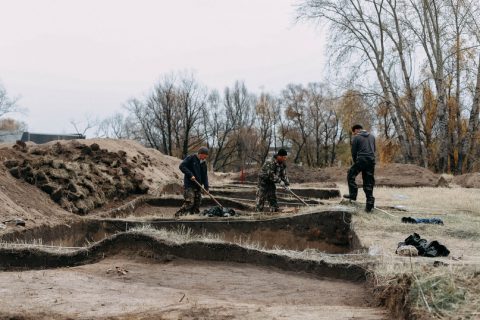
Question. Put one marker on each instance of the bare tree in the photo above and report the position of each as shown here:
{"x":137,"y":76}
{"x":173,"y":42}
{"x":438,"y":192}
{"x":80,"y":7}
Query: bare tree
{"x":295,"y":98}
{"x":118,"y":127}
{"x":357,"y":28}
{"x":234,"y":124}
{"x":162,"y":104}
{"x":81,"y":127}
{"x":191,"y":101}
{"x":266,"y":114}
{"x":469,"y":142}
{"x":7,"y":104}
{"x":148,"y":132}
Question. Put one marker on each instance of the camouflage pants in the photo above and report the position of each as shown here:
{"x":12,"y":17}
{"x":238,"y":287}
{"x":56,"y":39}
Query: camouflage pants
{"x":266,"y":192}
{"x":191,"y":204}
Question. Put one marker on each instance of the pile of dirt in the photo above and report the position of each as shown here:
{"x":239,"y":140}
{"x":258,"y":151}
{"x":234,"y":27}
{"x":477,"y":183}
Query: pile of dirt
{"x":405,"y":175}
{"x":80,"y":175}
{"x":391,"y":175}
{"x":469,"y":180}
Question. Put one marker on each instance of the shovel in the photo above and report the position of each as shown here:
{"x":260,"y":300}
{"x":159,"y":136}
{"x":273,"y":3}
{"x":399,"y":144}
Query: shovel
{"x":208,"y":193}
{"x":290,"y":190}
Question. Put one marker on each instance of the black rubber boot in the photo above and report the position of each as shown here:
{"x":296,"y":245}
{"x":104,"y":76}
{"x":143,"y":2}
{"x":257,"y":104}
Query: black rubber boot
{"x":350,"y":197}
{"x":370,"y":204}
{"x":179,"y":213}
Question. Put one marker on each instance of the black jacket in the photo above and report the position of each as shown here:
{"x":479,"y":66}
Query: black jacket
{"x":363,"y":146}
{"x":191,"y":166}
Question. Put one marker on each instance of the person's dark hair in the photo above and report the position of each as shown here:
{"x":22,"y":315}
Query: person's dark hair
{"x":203,"y":150}
{"x":357,"y":126}
{"x":282,"y":152}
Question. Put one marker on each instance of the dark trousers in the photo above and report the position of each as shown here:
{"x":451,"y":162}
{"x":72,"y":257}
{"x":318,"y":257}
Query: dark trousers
{"x":367,"y":167}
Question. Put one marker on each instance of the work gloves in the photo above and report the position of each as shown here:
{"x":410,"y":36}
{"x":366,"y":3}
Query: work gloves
{"x":284,"y":184}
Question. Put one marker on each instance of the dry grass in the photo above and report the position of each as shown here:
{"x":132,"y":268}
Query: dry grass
{"x":38,"y":245}
{"x":450,"y":291}
{"x":185,"y":235}
{"x":443,"y":292}
{"x":435,"y":201}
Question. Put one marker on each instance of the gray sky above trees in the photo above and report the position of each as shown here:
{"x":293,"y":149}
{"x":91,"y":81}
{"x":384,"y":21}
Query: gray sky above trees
{"x":67,"y":59}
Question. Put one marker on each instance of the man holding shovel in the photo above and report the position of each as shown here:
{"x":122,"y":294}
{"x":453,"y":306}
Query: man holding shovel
{"x":363,"y":155}
{"x":194,"y":169}
{"x":273,"y":171}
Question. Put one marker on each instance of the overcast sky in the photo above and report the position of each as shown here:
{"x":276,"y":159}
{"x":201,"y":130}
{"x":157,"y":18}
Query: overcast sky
{"x":70,"y":58}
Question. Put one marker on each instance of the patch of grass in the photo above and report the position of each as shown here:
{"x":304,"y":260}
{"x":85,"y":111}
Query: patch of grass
{"x":444,"y":292}
{"x":36,"y":244}
{"x":440,"y":292}
{"x":179,"y":235}
{"x":428,"y":200}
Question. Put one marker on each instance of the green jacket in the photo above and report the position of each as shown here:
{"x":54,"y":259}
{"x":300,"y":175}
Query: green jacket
{"x":273,"y":172}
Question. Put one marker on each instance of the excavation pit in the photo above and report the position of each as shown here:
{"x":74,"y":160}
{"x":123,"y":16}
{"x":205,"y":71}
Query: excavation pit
{"x":217,"y":277}
{"x":327,"y":231}
{"x":138,"y":276}
{"x":248,"y":193}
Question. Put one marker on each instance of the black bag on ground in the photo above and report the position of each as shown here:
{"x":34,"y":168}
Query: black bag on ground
{"x":218,"y":212}
{"x":426,"y":249}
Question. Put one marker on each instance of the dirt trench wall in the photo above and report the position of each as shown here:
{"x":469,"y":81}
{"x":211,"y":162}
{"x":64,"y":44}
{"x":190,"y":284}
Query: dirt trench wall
{"x":177,"y":202}
{"x":75,"y":234}
{"x":327,"y":231}
{"x":30,"y":258}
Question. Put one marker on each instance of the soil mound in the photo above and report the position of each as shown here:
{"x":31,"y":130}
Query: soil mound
{"x":405,"y":175}
{"x":469,"y":180}
{"x":391,"y":175}
{"x":81,"y":175}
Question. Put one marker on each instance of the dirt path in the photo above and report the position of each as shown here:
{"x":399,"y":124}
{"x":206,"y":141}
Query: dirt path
{"x":180,"y":289}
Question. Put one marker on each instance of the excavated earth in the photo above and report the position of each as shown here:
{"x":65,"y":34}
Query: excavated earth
{"x":77,"y":256}
{"x":136,"y":276}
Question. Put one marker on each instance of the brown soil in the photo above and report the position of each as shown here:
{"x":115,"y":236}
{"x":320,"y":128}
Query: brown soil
{"x":469,"y":180}
{"x":19,"y":199}
{"x":78,"y":176}
{"x":65,"y":177}
{"x":391,"y":175}
{"x":180,"y":289}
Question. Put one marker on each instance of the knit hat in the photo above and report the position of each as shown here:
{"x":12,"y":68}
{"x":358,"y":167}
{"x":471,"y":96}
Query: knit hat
{"x":282,"y":152}
{"x":203,"y":150}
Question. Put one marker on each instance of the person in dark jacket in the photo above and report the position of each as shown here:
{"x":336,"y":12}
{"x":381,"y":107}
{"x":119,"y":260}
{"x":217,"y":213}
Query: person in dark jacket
{"x":194,"y":169}
{"x":273,"y":171}
{"x":363,"y":154}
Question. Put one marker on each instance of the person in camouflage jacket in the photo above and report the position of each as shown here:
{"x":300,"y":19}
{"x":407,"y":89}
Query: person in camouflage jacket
{"x":273,"y":171}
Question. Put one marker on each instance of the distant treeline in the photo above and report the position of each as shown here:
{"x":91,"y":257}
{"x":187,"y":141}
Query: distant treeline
{"x":407,"y":70}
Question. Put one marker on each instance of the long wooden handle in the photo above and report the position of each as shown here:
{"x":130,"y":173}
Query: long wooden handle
{"x":208,"y":193}
{"x":297,"y":196}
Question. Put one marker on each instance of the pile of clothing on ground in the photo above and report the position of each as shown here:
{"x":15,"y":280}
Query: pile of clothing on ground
{"x":422,"y":220}
{"x":219,"y":212}
{"x":414,"y":245}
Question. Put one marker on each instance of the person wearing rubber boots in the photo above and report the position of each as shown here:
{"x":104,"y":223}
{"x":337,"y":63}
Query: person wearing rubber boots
{"x":363,"y":154}
{"x":194,"y":169}
{"x":273,"y":171}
